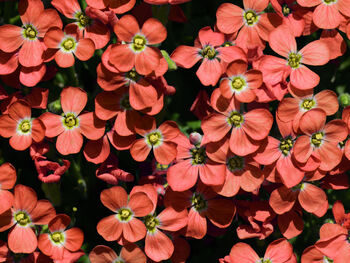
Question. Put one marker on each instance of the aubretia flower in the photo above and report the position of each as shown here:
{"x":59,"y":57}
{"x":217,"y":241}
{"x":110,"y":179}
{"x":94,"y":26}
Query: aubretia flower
{"x":137,"y":50}
{"x":124,"y":224}
{"x":130,"y":253}
{"x":20,"y":127}
{"x":63,"y":44}
{"x":36,"y":21}
{"x":253,"y":25}
{"x":118,"y":7}
{"x":72,"y":124}
{"x":275,"y":69}
{"x":26,"y":212}
{"x":159,"y":139}
{"x":328,"y":13}
{"x":8,"y":179}
{"x":209,"y":50}
{"x":54,"y":243}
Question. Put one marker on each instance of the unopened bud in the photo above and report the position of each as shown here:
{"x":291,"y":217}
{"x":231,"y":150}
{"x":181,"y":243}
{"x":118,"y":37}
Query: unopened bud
{"x":344,"y":100}
{"x":195,"y":138}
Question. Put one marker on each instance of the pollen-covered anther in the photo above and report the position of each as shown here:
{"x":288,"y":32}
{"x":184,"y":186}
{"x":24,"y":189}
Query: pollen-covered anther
{"x":30,"y":32}
{"x":317,"y":139}
{"x":24,"y":126}
{"x":132,"y":75}
{"x":83,"y":20}
{"x":198,"y":202}
{"x":286,"y":145}
{"x":251,"y":17}
{"x":139,"y":43}
{"x":22,"y":218}
{"x":238,"y":83}
{"x":285,"y":10}
{"x":263,"y":260}
{"x":294,"y":60}
{"x":235,"y":163}
{"x":151,"y":223}
{"x":70,"y":121}
{"x":124,"y":214}
{"x":154,"y":138}
{"x":308,"y":104}
{"x":329,"y":2}
{"x":235,"y":119}
{"x":209,"y":52}
{"x":57,"y":237}
{"x":198,"y":156}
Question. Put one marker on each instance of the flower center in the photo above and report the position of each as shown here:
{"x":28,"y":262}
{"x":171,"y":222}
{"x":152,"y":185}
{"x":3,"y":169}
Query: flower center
{"x":285,"y":10}
{"x":198,"y":156}
{"x":22,"y":218}
{"x":83,"y":20}
{"x":30,"y":32}
{"x":69,"y":44}
{"x":235,"y":163}
{"x":57,"y":237}
{"x":139,"y":43}
{"x":154,"y":138}
{"x":327,"y":260}
{"x":238,"y":83}
{"x":151,"y":223}
{"x":308,"y":104}
{"x":132,"y":75}
{"x":263,"y":260}
{"x":125,"y":103}
{"x":330,"y":2}
{"x":24,"y":126}
{"x":236,"y":119}
{"x":70,"y":121}
{"x":294,"y":60}
{"x":198,"y":202}
{"x":251,"y":17}
{"x":286,"y":145}
{"x":124,"y":214}
{"x":208,"y":52}
{"x":317,"y":139}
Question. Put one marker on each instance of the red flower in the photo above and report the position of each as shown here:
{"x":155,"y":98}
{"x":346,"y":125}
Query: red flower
{"x":208,"y":49}
{"x":159,"y":139}
{"x":20,"y":127}
{"x":72,"y":125}
{"x":8,"y":179}
{"x":54,"y":243}
{"x":36,"y":21}
{"x":137,"y":51}
{"x":118,"y":7}
{"x":26,"y":212}
{"x":63,"y":44}
{"x":124,"y":224}
{"x":130,"y":253}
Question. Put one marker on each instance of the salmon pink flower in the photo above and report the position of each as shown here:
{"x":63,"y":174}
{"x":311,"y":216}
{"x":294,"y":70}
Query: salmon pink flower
{"x":279,"y":251}
{"x":158,"y":246}
{"x":209,"y":50}
{"x":130,"y":253}
{"x":320,"y":140}
{"x":124,"y":224}
{"x":72,"y":124}
{"x":240,"y":83}
{"x":137,"y":51}
{"x":253,"y":25}
{"x":118,"y":7}
{"x":20,"y":127}
{"x":276,"y":69}
{"x":89,"y":27}
{"x":25,"y":213}
{"x":328,"y":13}
{"x":36,"y":22}
{"x":8,"y":179}
{"x":247,"y":128}
{"x":203,"y":203}
{"x":192,"y":162}
{"x":292,"y":109}
{"x":159,"y":139}
{"x":59,"y":239}
{"x":65,"y":44}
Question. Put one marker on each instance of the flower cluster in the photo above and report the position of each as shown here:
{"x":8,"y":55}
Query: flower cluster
{"x":268,"y":146}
